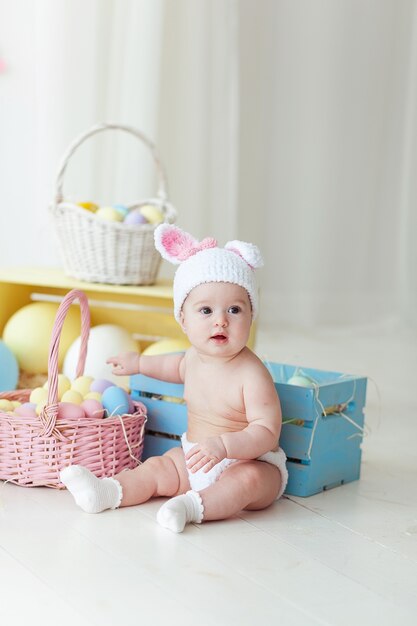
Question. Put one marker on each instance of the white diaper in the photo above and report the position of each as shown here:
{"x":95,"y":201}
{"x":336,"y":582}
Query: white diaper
{"x":200,"y":480}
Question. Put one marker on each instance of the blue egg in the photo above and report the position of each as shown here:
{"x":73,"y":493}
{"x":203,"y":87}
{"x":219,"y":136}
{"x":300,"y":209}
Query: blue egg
{"x":121,"y":208}
{"x":115,"y":401}
{"x":9,"y":368}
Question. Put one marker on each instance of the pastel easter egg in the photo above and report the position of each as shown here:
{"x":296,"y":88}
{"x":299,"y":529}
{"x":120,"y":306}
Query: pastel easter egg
{"x":88,"y":206}
{"x":40,"y":406}
{"x":39,"y":394}
{"x":109,"y":213}
{"x":82,"y":384}
{"x":166,"y":346}
{"x":152,"y":213}
{"x":64,"y":384}
{"x":5,"y":405}
{"x":16,"y":403}
{"x":300,"y":381}
{"x":72,"y":396}
{"x":27,"y":409}
{"x":115,"y":400}
{"x":69,"y":410}
{"x":123,"y":210}
{"x":93,"y":408}
{"x":100,"y":384}
{"x":135,"y":217}
{"x":93,"y":395}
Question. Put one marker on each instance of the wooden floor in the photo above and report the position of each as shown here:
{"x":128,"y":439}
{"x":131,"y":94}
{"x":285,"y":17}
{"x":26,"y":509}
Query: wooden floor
{"x":343,"y":557}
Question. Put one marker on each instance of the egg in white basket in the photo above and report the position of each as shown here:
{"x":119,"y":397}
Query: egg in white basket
{"x":105,"y":340}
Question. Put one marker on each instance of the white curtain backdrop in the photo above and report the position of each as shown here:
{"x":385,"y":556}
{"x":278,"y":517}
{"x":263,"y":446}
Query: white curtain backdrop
{"x":291,"y":124}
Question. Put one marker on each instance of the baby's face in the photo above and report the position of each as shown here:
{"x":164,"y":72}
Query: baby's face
{"x":217,"y":318}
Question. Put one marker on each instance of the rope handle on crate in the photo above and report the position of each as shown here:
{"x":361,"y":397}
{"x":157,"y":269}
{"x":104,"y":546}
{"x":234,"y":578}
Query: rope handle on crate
{"x":49,"y":413}
{"x":162,"y":193}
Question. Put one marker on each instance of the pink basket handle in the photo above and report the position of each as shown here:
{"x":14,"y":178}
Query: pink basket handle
{"x":49,"y":413}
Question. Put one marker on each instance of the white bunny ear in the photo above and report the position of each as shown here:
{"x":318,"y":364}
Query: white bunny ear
{"x":248,"y":251}
{"x":172,"y":243}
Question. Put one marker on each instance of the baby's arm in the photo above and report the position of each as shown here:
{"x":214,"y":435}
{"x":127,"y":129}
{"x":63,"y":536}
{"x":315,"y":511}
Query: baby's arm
{"x":167,"y":367}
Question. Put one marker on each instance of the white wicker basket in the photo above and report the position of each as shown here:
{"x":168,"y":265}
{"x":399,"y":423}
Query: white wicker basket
{"x":98,"y":250}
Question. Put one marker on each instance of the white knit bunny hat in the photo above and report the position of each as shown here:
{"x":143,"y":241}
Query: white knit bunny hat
{"x":204,"y":262}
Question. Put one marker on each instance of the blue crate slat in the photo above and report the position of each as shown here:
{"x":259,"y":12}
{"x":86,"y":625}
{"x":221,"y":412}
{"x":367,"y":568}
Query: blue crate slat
{"x":163,"y":416}
{"x":156,"y":446}
{"x":295,"y":440}
{"x":324,"y":451}
{"x":153,"y":385}
{"x":301,"y":402}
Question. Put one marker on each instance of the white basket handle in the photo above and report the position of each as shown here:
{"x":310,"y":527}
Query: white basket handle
{"x":162,"y":193}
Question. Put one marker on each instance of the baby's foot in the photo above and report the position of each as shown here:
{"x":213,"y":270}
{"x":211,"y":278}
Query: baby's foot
{"x":181,"y":510}
{"x":92,"y":494}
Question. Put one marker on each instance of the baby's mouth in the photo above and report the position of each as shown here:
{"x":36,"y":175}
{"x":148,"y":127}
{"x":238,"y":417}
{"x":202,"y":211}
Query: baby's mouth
{"x":219,"y":338}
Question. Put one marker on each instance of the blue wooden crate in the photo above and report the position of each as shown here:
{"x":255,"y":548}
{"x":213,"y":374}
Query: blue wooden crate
{"x":167,"y":413}
{"x":322,"y":425}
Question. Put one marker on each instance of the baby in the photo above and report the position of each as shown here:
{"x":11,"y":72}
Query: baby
{"x":230,"y":459}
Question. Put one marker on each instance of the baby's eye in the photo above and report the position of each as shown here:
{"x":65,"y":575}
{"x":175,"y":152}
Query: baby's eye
{"x":234,"y":309}
{"x":205,"y":310}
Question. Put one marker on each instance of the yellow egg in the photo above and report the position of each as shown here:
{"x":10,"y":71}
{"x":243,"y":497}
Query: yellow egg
{"x":93,"y":395}
{"x":16,"y":403}
{"x":82,"y":384}
{"x":72,"y":396}
{"x":6,"y":405}
{"x":39,"y":394}
{"x":64,"y":384}
{"x":40,"y":406}
{"x":109,"y":213}
{"x":28,"y":332}
{"x":165,"y":346}
{"x":152,"y":213}
{"x":88,"y":206}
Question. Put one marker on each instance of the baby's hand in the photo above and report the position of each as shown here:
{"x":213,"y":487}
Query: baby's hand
{"x":125,"y":364}
{"x":206,"y":454}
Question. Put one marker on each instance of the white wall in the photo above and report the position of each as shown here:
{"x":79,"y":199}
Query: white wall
{"x":288,"y":123}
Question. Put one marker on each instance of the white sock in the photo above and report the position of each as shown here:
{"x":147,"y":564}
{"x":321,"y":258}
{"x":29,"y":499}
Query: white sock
{"x":181,"y":510}
{"x":92,"y":494}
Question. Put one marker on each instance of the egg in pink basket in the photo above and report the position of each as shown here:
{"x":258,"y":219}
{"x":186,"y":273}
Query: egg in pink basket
{"x":68,"y":410}
{"x":27,"y":409}
{"x":93,"y":408}
{"x":100,"y":384}
{"x":115,"y":400}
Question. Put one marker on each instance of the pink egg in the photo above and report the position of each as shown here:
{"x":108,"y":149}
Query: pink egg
{"x":68,"y":410}
{"x":100,"y":385}
{"x":93,"y":408}
{"x":27,"y":409}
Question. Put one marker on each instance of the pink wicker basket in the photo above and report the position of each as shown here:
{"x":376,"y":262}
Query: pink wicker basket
{"x":34,"y":450}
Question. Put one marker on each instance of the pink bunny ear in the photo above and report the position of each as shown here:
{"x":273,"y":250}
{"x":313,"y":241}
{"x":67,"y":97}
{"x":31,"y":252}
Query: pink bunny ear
{"x":248,"y":251}
{"x":175,"y":245}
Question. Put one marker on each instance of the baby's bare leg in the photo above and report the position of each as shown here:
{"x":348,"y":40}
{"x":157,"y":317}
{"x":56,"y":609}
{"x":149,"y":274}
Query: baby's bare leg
{"x":244,"y":485}
{"x":158,"y":476}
